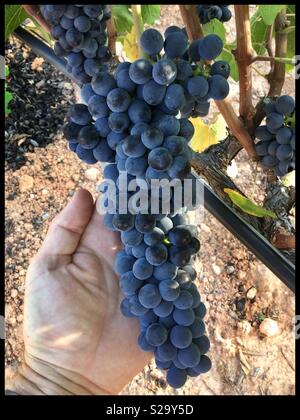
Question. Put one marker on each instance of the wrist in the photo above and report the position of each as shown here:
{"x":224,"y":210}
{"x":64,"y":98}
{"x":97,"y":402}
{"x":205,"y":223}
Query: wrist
{"x":35,"y":377}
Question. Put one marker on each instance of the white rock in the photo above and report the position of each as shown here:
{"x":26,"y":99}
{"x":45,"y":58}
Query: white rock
{"x":242,"y":275}
{"x":244,"y":327}
{"x":25,"y":183}
{"x":232,"y":170}
{"x":251,"y":293}
{"x":14,"y":293}
{"x":204,"y":228}
{"x":92,"y":174}
{"x":269,"y":327}
{"x":230,"y":269}
{"x":216,"y":269}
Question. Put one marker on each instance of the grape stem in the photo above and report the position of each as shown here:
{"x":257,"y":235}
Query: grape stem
{"x":34,"y":11}
{"x":190,"y":17}
{"x":277,"y":76}
{"x":112,"y":34}
{"x":138,"y":25}
{"x":272,"y":59}
{"x":194,"y":29}
{"x":244,"y":54}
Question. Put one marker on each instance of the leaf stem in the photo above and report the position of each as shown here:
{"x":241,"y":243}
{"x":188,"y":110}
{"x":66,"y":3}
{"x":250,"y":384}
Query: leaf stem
{"x":138,"y":25}
{"x":34,"y":11}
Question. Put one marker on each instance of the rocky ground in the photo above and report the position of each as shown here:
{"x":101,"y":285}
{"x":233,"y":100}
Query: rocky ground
{"x":250,"y":312}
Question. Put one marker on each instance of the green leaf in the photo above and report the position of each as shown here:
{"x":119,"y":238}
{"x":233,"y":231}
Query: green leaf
{"x":123,"y":18}
{"x":14,"y":16}
{"x":247,"y":205}
{"x":227,"y":55}
{"x":215,"y":27}
{"x":150,"y":13}
{"x":7,"y":99}
{"x":269,"y":12}
{"x":258,"y":33}
{"x":289,"y":180}
{"x":6,"y":71}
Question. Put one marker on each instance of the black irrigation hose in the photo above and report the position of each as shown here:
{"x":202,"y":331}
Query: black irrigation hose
{"x":42,"y":49}
{"x":252,"y":239}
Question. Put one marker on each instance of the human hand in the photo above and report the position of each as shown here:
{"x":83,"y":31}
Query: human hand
{"x":76,"y":339}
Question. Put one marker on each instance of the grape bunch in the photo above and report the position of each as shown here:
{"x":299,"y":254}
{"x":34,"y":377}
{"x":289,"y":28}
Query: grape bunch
{"x":136,"y":121}
{"x":80,"y":34}
{"x":276,"y":145}
{"x":207,"y":12}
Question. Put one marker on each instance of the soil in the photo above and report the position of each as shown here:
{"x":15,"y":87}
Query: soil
{"x":42,"y":174}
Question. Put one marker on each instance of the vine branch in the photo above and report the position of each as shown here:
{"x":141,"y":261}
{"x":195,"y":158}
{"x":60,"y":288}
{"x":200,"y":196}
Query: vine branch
{"x":277,"y":76}
{"x":244,"y":55}
{"x":34,"y":11}
{"x":191,"y":20}
{"x":268,"y":44}
{"x":138,"y":25}
{"x":194,"y":30}
{"x":112,"y":34}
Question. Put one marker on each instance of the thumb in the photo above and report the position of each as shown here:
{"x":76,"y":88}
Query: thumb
{"x":68,"y":226}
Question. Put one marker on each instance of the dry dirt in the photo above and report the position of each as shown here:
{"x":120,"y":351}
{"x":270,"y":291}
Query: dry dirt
{"x":41,"y":183}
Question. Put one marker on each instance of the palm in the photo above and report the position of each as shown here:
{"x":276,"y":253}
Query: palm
{"x":73,"y":319}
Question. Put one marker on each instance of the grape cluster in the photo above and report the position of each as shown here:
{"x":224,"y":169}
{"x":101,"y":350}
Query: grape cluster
{"x":276,"y":145}
{"x":137,"y":122}
{"x":207,"y":12}
{"x":80,"y":34}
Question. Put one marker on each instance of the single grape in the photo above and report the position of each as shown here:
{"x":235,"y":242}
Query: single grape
{"x":164,"y":72}
{"x":156,"y":254}
{"x":210,"y":47}
{"x":149,"y":296}
{"x":164,"y":309}
{"x":160,"y":159}
{"x":123,"y":222}
{"x":151,"y":41}
{"x":285,"y":105}
{"x":156,"y":334}
{"x":140,"y":71}
{"x":176,"y":44}
{"x":142,"y":269}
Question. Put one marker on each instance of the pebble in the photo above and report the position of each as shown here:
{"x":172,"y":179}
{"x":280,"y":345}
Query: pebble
{"x":242,"y":275}
{"x":269,"y":327}
{"x":45,"y":216}
{"x":92,"y":174}
{"x":44,"y":191}
{"x":251,"y":293}
{"x":34,"y":143}
{"x":240,"y":304}
{"x":244,"y":327}
{"x":20,"y":318}
{"x":14,"y":293}
{"x":40,"y":84}
{"x":205,"y":228}
{"x":216,"y":269}
{"x":25,"y":183}
{"x":12,"y":321}
{"x":230,"y":269}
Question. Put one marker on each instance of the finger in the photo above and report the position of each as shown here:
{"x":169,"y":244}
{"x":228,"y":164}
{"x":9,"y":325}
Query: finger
{"x":68,"y":226}
{"x":98,"y":238}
